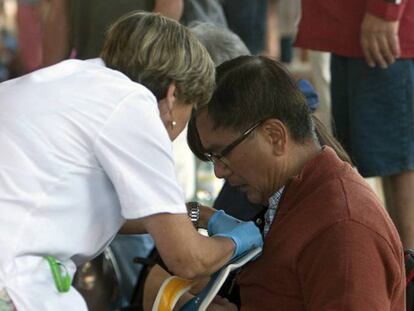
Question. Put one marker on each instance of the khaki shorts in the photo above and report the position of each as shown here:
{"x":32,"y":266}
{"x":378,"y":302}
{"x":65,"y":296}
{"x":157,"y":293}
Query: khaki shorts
{"x":5,"y":302}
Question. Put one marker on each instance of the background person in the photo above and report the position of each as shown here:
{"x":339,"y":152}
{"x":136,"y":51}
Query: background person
{"x":372,"y":71}
{"x":80,"y":26}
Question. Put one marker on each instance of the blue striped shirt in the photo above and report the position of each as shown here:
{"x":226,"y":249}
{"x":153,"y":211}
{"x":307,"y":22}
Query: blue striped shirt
{"x":271,"y":211}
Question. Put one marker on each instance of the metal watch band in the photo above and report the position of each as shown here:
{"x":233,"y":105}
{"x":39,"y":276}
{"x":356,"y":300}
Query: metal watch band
{"x":194,"y":213}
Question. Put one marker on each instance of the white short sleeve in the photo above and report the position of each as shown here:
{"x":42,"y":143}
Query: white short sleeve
{"x":136,"y":153}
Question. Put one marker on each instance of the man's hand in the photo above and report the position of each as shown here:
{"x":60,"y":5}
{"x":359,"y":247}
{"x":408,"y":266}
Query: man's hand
{"x":379,"y":41}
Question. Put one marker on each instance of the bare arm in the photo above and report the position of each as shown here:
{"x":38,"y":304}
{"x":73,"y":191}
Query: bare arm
{"x":191,"y":255}
{"x":186,"y":253}
{"x":170,"y":8}
{"x":55,"y":42}
{"x":133,"y":226}
{"x":379,"y":40}
{"x":205,"y":214}
{"x":136,"y":226}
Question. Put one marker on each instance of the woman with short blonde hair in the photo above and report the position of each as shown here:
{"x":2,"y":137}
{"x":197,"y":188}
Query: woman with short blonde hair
{"x":86,"y":151}
{"x":166,"y":52}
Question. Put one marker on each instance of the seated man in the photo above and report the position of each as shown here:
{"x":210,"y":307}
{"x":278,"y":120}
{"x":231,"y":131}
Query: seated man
{"x":329,"y":244}
{"x":323,"y":138}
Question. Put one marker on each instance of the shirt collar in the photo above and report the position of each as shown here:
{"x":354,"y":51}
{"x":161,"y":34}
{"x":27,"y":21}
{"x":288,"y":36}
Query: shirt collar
{"x":275,"y":198}
{"x":271,"y":211}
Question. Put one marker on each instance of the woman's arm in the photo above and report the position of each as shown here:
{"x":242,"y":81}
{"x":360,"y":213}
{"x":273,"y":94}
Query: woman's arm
{"x":185,"y":252}
{"x":205,"y":214}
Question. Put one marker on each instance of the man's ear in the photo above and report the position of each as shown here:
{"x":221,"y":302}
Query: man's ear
{"x":276,"y":133}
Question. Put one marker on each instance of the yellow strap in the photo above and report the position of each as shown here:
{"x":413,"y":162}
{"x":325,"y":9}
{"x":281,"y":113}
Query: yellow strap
{"x":170,"y":291}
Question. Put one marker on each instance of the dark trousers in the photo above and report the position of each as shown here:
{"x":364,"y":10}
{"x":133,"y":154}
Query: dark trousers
{"x":247,"y":18}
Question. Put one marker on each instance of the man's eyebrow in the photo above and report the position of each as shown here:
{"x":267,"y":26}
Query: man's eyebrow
{"x":212,"y":148}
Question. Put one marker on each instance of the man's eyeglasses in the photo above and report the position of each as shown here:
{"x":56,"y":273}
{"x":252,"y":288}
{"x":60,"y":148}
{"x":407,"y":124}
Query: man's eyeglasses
{"x":214,"y":157}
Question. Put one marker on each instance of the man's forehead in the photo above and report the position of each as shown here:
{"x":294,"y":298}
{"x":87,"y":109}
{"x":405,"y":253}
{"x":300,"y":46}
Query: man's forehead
{"x":210,"y":138}
{"x":204,"y":122}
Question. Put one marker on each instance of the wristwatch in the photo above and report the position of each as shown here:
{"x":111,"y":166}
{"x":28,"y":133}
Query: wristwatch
{"x":194,"y":212}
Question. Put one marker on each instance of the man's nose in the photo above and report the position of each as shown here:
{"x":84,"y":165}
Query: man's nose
{"x":221,"y":170}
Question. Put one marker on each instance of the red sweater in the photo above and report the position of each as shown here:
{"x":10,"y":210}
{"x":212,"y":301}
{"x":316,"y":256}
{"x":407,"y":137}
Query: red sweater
{"x":334,"y":25}
{"x":332,"y":246}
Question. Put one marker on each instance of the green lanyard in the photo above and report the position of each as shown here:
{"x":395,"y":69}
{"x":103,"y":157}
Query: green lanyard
{"x":62,"y":282}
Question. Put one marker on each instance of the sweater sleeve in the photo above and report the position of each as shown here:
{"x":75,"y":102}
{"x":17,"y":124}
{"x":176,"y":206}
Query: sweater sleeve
{"x":386,"y":10}
{"x":350,"y":267}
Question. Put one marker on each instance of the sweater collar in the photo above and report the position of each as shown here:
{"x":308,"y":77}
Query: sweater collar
{"x":325,"y":166}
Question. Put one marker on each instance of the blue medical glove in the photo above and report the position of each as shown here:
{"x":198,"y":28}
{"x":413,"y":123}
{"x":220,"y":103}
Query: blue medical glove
{"x":221,"y":222}
{"x":246,"y":236}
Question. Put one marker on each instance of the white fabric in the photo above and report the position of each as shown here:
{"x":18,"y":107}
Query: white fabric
{"x":82,"y":148}
{"x":184,"y":165}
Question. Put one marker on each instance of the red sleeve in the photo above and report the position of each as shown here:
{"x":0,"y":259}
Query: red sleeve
{"x":350,"y":267}
{"x":386,"y":10}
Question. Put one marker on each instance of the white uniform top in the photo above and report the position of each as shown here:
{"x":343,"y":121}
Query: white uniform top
{"x":82,"y":148}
